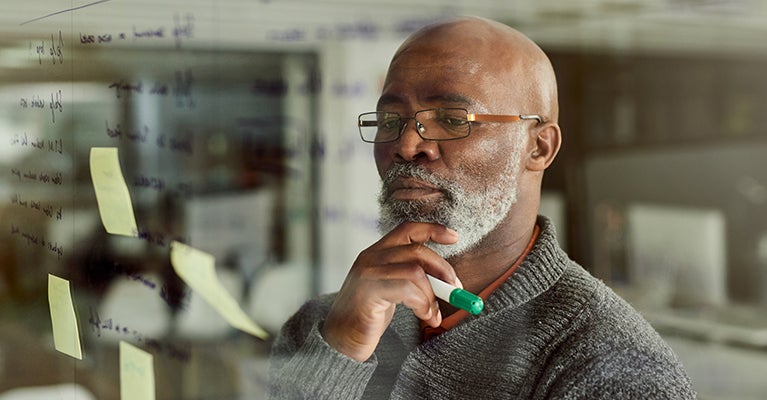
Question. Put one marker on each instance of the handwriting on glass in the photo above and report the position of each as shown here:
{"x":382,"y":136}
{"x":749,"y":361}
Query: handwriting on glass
{"x":183,"y":29}
{"x":181,"y":143}
{"x":37,"y":102}
{"x":52,"y":145}
{"x":53,"y":49}
{"x":180,"y":88}
{"x":181,"y":352}
{"x":33,"y":239}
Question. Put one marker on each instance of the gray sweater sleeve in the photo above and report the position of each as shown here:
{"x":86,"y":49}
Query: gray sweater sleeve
{"x":303,"y":366}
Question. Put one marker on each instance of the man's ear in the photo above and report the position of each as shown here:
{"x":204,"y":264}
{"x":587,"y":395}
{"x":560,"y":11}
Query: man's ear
{"x":545,"y":141}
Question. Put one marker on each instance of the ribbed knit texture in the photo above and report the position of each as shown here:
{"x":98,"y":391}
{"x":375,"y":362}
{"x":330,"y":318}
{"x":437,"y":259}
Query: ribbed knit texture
{"x":552,"y":331}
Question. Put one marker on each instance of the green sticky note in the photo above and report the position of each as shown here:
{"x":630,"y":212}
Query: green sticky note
{"x":136,"y":373}
{"x":112,"y":193}
{"x":197,"y":269}
{"x":66,"y":337}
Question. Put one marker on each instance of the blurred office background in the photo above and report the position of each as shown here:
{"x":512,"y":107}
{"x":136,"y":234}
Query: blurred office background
{"x":235,"y":123}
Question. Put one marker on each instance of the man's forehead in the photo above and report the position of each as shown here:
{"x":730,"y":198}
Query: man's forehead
{"x":464,"y":84}
{"x":439,"y":67}
{"x":444,"y":63}
{"x":444,"y":99}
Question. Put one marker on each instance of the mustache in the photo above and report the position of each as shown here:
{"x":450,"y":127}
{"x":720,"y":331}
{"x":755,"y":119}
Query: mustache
{"x":411,"y":170}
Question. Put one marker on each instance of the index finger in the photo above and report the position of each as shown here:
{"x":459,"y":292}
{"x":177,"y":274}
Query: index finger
{"x":419,"y":232}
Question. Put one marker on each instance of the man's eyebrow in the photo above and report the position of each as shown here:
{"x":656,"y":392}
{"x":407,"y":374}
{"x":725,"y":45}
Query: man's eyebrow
{"x":452,"y":98}
{"x":387,"y":100}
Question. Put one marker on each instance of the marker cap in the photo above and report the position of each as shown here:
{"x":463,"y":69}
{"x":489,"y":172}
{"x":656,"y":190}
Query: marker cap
{"x":466,"y":301}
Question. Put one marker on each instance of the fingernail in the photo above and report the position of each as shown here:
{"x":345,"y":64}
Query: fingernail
{"x":458,"y":283}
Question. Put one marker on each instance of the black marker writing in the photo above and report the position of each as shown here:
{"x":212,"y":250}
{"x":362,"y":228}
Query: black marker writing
{"x":20,"y":140}
{"x":124,"y":87}
{"x":86,"y":38}
{"x":54,"y":178}
{"x":56,"y":49}
{"x":182,"y":30}
{"x":37,"y":102}
{"x":149,"y":182}
{"x":55,"y":104}
{"x":180,"y":352}
{"x":132,"y":135}
{"x":40,"y":49}
{"x":159,"y":184}
{"x":49,"y":210}
{"x":34,"y":102}
{"x":182,"y":89}
{"x":148,"y":33}
{"x":288,"y":35}
{"x":38,"y":240}
{"x":177,"y":143}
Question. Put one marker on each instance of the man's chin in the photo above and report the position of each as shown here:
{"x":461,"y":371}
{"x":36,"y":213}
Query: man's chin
{"x":421,"y":209}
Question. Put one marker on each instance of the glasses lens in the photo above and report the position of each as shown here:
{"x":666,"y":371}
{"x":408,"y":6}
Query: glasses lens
{"x":444,"y":123}
{"x":378,"y":127}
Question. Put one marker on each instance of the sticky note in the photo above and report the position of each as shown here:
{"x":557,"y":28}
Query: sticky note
{"x":136,"y":373}
{"x":66,"y":337}
{"x":198,"y":270}
{"x":112,"y":193}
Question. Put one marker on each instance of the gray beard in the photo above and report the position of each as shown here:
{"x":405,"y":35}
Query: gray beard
{"x":472,"y":215}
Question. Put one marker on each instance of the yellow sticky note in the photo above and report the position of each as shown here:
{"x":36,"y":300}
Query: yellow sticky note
{"x":66,"y":337}
{"x":198,"y":270}
{"x":112,"y":193}
{"x":136,"y":373}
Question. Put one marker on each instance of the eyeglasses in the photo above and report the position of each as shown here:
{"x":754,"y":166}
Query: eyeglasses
{"x":431,"y":124}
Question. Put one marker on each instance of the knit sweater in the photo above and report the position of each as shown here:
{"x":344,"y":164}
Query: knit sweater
{"x":551,"y":331}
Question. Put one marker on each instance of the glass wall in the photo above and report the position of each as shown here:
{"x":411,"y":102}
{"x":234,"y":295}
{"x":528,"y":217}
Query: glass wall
{"x":233,"y":127}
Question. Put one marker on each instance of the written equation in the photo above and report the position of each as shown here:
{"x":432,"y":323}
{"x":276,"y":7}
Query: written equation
{"x":181,"y":29}
{"x":48,"y":177}
{"x":49,"y":50}
{"x":179,"y":351}
{"x":55,"y":145}
{"x":48,"y":209}
{"x":37,"y":240}
{"x":39,"y":183}
{"x":41,"y":103}
{"x":179,"y":142}
{"x":180,"y":88}
{"x":278,"y":87}
{"x":354,"y":30}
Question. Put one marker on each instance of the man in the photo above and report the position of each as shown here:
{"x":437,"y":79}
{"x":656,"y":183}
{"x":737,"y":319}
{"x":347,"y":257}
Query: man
{"x":464,"y":129}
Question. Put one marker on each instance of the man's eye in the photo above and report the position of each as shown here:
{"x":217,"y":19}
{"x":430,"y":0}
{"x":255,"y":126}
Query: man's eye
{"x":454,"y":122}
{"x":389,"y":124}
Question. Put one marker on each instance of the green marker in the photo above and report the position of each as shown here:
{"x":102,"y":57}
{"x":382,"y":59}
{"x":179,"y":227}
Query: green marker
{"x":457,"y":297}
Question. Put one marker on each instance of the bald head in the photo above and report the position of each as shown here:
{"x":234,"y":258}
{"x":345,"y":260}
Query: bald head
{"x":488,"y":70}
{"x":491,"y":51}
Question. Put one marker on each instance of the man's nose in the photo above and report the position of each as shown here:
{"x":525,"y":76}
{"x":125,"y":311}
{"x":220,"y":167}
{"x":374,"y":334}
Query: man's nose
{"x":411,"y":146}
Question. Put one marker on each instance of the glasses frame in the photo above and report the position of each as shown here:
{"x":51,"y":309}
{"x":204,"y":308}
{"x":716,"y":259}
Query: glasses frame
{"x":470,"y":117}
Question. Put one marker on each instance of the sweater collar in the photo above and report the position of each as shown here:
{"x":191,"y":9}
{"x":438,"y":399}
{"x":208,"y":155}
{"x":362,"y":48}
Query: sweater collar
{"x":540,"y":270}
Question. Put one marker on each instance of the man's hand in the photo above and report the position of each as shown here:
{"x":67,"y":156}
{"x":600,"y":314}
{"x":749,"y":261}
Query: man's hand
{"x":391,"y":271}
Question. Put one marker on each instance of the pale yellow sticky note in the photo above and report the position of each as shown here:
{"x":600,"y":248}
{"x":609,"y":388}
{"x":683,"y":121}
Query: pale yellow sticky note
{"x":136,"y":373}
{"x":112,"y":193}
{"x":66,"y":337}
{"x":198,"y":270}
